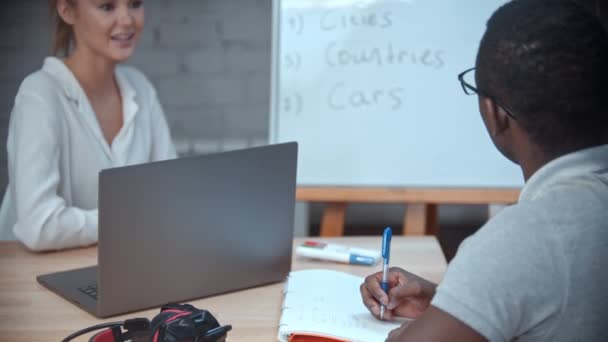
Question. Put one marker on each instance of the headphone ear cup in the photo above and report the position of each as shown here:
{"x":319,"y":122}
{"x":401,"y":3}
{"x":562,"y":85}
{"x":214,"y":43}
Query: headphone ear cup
{"x":159,"y":319}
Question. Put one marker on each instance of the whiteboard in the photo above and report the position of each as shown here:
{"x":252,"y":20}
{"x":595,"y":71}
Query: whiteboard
{"x":369,"y":90}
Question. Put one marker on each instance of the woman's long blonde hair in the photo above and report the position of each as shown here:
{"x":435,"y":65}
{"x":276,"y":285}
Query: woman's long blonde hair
{"x":63,"y":34}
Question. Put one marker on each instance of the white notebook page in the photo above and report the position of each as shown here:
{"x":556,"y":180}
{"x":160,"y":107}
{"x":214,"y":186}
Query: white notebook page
{"x":329,"y":303}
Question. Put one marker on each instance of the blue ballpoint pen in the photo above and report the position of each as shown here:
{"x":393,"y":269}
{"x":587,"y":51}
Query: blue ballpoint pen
{"x":386,"y":252}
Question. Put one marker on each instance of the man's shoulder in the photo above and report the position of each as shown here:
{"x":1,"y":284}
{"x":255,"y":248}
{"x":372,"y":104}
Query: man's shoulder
{"x":512,"y":221}
{"x":518,"y":234}
{"x":568,"y":204}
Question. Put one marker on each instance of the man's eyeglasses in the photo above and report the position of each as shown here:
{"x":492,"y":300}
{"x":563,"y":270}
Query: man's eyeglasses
{"x":467,"y":81}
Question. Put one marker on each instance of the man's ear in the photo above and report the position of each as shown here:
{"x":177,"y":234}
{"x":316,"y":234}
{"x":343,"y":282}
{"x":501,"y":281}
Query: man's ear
{"x":65,"y":9}
{"x":494,"y":116}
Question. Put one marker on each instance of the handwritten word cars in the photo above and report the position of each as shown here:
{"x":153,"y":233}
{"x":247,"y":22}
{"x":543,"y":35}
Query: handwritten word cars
{"x":342,"y":97}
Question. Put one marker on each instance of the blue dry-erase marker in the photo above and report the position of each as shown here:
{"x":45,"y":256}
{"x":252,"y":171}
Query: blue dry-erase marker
{"x":386,"y":253}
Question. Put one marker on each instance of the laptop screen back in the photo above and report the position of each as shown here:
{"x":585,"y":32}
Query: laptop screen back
{"x":193,"y":227}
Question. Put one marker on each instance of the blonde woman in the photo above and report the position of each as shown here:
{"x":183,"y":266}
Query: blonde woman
{"x":75,"y":116}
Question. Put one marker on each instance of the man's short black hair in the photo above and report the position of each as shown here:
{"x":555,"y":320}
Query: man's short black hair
{"x":547,"y":60}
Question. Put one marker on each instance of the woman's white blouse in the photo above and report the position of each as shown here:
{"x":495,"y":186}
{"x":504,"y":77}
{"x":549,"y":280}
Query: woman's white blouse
{"x":56,"y":149}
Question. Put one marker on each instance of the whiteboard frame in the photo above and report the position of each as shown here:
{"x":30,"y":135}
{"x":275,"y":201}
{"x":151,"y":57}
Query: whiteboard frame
{"x":275,"y":69}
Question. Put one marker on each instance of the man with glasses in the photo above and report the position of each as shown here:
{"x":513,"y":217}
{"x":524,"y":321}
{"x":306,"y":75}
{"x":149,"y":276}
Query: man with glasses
{"x":538,"y":271}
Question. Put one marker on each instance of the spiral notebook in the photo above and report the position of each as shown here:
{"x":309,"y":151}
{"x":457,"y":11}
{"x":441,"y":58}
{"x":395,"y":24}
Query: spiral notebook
{"x":328,"y":304}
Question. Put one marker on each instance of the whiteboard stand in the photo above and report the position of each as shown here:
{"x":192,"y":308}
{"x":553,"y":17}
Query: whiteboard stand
{"x":422,"y":203}
{"x":421,"y":219}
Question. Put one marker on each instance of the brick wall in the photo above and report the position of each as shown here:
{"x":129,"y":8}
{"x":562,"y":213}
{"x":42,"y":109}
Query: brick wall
{"x":209,"y":60}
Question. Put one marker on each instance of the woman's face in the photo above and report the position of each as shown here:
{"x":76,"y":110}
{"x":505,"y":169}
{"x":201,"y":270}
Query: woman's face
{"x":108,"y":28}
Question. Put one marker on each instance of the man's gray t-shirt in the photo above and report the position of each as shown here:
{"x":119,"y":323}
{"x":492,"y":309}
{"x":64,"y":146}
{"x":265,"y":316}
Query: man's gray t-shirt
{"x":538,"y":271}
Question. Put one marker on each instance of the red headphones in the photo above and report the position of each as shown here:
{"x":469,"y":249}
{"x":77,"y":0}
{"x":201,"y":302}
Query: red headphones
{"x":174,"y":323}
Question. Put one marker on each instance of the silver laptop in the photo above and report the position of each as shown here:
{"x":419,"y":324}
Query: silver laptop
{"x":187,"y":228}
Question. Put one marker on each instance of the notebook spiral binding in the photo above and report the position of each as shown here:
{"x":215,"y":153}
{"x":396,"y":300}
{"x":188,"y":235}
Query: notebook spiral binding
{"x":283,"y":307}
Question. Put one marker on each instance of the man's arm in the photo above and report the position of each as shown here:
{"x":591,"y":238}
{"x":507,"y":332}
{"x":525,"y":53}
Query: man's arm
{"x":435,"y":325}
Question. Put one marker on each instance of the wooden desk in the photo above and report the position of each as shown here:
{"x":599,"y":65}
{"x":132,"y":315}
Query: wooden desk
{"x":29,"y":312}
